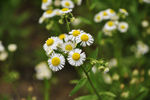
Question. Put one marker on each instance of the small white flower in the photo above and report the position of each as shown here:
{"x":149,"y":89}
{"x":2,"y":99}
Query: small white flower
{"x":145,"y":23}
{"x":125,"y":94}
{"x":107,"y":78}
{"x":63,"y":37}
{"x":65,"y":11}
{"x":123,"y":27}
{"x":113,"y":62}
{"x":105,"y":15}
{"x":74,"y":34}
{"x":123,"y":11}
{"x":42,"y":71}
{"x":51,"y":44}
{"x":41,"y":19}
{"x":111,"y":12}
{"x":57,"y":3}
{"x":115,"y":77}
{"x":98,"y":17}
{"x":2,"y":48}
{"x":85,"y":39}
{"x":79,"y":2}
{"x":76,"y":57}
{"x":57,"y":12}
{"x":49,"y":13}
{"x":12,"y":47}
{"x":76,"y":22}
{"x":67,"y":4}
{"x":46,"y":4}
{"x":68,"y":46}
{"x":110,"y":26}
{"x":56,"y":62}
{"x":146,"y":1}
{"x":3,"y":55}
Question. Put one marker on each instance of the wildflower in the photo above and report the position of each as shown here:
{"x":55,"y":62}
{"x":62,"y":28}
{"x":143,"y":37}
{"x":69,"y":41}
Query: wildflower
{"x":76,"y":22}
{"x":107,"y":78}
{"x":63,"y":37}
{"x":106,"y":70}
{"x":76,"y":57}
{"x":68,"y":46}
{"x":85,"y":39}
{"x":2,"y":48}
{"x":46,"y":4}
{"x":57,"y":3}
{"x":94,"y":69}
{"x":42,"y":71}
{"x":41,"y":19}
{"x":115,"y":77}
{"x":49,"y":13}
{"x":135,"y":72}
{"x":65,"y":11}
{"x":110,"y":26}
{"x":12,"y":47}
{"x":67,"y":4}
{"x":145,"y":23}
{"x":57,"y":12}
{"x":56,"y":62}
{"x":98,"y":17}
{"x":125,"y":94}
{"x":3,"y":55}
{"x":105,"y":15}
{"x":74,"y":34}
{"x":123,"y":11}
{"x":123,"y":27}
{"x":111,"y":12}
{"x":79,"y":2}
{"x":113,"y":62}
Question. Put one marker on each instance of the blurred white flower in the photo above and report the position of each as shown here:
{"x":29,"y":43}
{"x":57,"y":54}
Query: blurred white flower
{"x":135,"y":72}
{"x":94,"y":69}
{"x":42,"y":71}
{"x":67,"y":4}
{"x":107,"y":78}
{"x":106,"y":70}
{"x":57,"y":2}
{"x":123,"y":11}
{"x":12,"y":47}
{"x":145,"y":23}
{"x":46,"y":4}
{"x":49,"y":13}
{"x":2,"y":48}
{"x":110,"y":26}
{"x":76,"y":22}
{"x":113,"y":62}
{"x":41,"y":19}
{"x":146,"y":1}
{"x":3,"y":55}
{"x":65,"y":11}
{"x":115,"y":77}
{"x":79,"y":2}
{"x":98,"y":17}
{"x":125,"y":94}
{"x":123,"y":27}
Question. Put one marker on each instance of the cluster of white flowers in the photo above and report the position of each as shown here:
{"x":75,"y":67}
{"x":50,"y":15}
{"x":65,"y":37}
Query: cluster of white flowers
{"x":49,"y":12}
{"x":113,"y":22}
{"x":65,"y":45}
{"x":42,"y":71}
{"x":4,"y":53}
{"x":140,"y":49}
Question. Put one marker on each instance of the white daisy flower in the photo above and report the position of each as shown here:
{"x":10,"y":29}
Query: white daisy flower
{"x":74,"y":34}
{"x":63,"y":36}
{"x":67,"y":4}
{"x":51,"y":44}
{"x":110,"y":26}
{"x":46,"y":4}
{"x":123,"y":27}
{"x":111,"y":12}
{"x":145,"y":23}
{"x":56,"y":62}
{"x":68,"y":46}
{"x":49,"y":13}
{"x":85,"y":39}
{"x":42,"y":71}
{"x":105,"y":14}
{"x":12,"y":47}
{"x":57,"y":12}
{"x":76,"y":58}
{"x":41,"y":19}
{"x":57,"y":3}
{"x":79,"y":2}
{"x":65,"y":11}
{"x":3,"y":55}
{"x":98,"y":17}
{"x":123,"y":11}
{"x":76,"y":22}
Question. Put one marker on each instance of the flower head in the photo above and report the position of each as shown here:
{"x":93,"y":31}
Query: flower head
{"x":68,"y":46}
{"x":74,"y":34}
{"x":65,"y":11}
{"x":123,"y":11}
{"x":123,"y":27}
{"x":67,"y":4}
{"x":98,"y":17}
{"x":46,"y":4}
{"x":76,"y":57}
{"x":12,"y":47}
{"x":110,"y":26}
{"x":49,"y":13}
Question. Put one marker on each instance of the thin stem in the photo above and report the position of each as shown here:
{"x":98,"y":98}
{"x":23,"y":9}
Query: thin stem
{"x":91,"y":83}
{"x":68,"y":27}
{"x":46,"y":89}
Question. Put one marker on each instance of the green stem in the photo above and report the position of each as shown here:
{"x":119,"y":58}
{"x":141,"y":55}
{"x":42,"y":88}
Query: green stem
{"x":46,"y":89}
{"x":88,"y":77}
{"x":68,"y":27}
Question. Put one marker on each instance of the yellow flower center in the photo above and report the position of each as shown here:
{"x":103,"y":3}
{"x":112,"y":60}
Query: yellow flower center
{"x":76,"y":33}
{"x":98,"y":17}
{"x":123,"y":27}
{"x":55,"y":61}
{"x":49,"y":11}
{"x":76,"y":56}
{"x":49,"y":42}
{"x":62,"y":36}
{"x":105,"y":13}
{"x":44,"y":1}
{"x":112,"y":11}
{"x":84,"y":37}
{"x":110,"y":23}
{"x":68,"y":47}
{"x":67,"y":3}
{"x":65,"y":9}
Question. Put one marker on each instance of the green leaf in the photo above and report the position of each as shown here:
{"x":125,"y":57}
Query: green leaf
{"x":108,"y":94}
{"x":94,"y":54}
{"x":80,"y":84}
{"x":87,"y":97}
{"x":84,"y":20}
